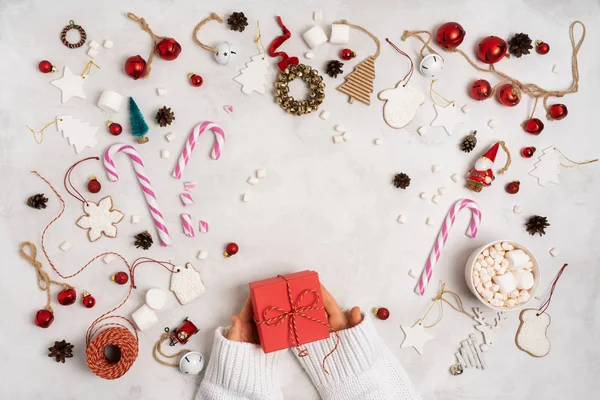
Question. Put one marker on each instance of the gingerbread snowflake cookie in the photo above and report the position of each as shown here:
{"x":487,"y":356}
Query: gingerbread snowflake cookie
{"x":100,"y":219}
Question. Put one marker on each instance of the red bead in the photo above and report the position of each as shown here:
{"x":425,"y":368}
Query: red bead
{"x":114,"y":128}
{"x":491,"y":49}
{"x":88,"y":300}
{"x":196,"y":80}
{"x":231,"y":249}
{"x":558,"y":111}
{"x":509,"y":95}
{"x":120,"y":277}
{"x":541,"y":47}
{"x":527,"y":152}
{"x":135,"y":67}
{"x":168,"y":49}
{"x":44,"y":318}
{"x":513,"y":187}
{"x":93,"y":185}
{"x":66,"y":297}
{"x":534,"y":126}
{"x":46,"y":66}
{"x":382,"y":313}
{"x":481,"y":89}
{"x":450,"y":35}
{"x":347,"y":54}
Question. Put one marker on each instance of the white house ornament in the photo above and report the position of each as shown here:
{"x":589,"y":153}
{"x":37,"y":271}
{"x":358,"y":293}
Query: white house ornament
{"x":71,"y":85}
{"x":100,"y":219}
{"x":186,"y":283}
{"x":447,"y":117}
{"x":415,"y":336}
{"x":431,"y":65}
{"x":531,"y":336}
{"x":401,"y":104}
{"x":80,"y":134}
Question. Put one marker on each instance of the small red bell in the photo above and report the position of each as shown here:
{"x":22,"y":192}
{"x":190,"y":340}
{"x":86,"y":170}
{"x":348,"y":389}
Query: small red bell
{"x":491,"y":49}
{"x":135,"y":67}
{"x":450,"y":35}
{"x":93,"y":185}
{"x":46,"y":66}
{"x":195,"y":80}
{"x":481,"y":89}
{"x":382,"y":313}
{"x":66,"y":297}
{"x":231,"y":249}
{"x":541,"y":47}
{"x":527,"y":152}
{"x":114,"y":128}
{"x":509,"y":95}
{"x":534,"y":126}
{"x":558,"y":112}
{"x":44,"y":318}
{"x":347,"y":54}
{"x":88,"y":300}
{"x":120,"y":277}
{"x":168,"y":49}
{"x":512,"y":187}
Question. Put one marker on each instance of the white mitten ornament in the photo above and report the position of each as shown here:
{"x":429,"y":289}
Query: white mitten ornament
{"x":401,"y":104}
{"x":531,"y":336}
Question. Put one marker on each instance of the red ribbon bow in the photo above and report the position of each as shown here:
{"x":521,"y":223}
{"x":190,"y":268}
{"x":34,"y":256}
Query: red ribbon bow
{"x":278,"y":41}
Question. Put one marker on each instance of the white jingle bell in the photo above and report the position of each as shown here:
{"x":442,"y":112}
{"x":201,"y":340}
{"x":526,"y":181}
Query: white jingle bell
{"x":225,"y":52}
{"x":191,"y":363}
{"x":431,"y":65}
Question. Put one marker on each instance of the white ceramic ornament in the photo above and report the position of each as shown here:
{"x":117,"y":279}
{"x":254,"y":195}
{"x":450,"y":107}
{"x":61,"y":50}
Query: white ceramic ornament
{"x":431,"y":65}
{"x":191,"y":363}
{"x":447,"y":117}
{"x":70,"y":85}
{"x":186,"y":283}
{"x":79,"y":133}
{"x":547,"y":168}
{"x":416,"y":337}
{"x":225,"y":53}
{"x":531,"y":336}
{"x":253,"y":77}
{"x":469,"y":355}
{"x":100,"y":219}
{"x":488,"y":330}
{"x":401,"y":104}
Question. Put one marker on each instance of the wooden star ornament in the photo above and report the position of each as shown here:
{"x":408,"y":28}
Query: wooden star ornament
{"x":100,"y":219}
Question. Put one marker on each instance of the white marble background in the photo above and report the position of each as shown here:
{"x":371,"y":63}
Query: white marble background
{"x":325,"y":207}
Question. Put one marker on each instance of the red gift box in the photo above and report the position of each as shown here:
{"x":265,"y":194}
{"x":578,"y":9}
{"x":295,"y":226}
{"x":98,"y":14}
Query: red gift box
{"x":289,"y":310}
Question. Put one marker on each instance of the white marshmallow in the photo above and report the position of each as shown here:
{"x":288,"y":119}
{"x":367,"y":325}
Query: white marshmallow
{"x":485,"y":278}
{"x":92,"y":53}
{"x":486,"y":252}
{"x":483,"y":262}
{"x":517,"y":259}
{"x":94,"y":45}
{"x":524,"y":298}
{"x":317,"y":15}
{"x":108,"y":44}
{"x":340,"y":34}
{"x":337,"y":139}
{"x":517,"y":209}
{"x":477,"y":266}
{"x":252,"y":180}
{"x":245,"y":197}
{"x":401,"y":219}
{"x":522,"y":292}
{"x":488,"y":285}
{"x":144,"y":317}
{"x":309,"y":55}
{"x":455,"y":178}
{"x":507,"y":246}
{"x":477,"y":281}
{"x":345,"y":136}
{"x":490,"y":261}
{"x":491,"y":271}
{"x":156,"y":298}
{"x":529,"y":265}
{"x":339,"y":128}
{"x":487,"y":294}
{"x":501,"y":271}
{"x":514,"y":294}
{"x":110,"y":101}
{"x":504,"y":263}
{"x":108,"y":258}
{"x":555,"y":68}
{"x":314,"y":37}
{"x":161,"y":91}
{"x":436,"y":199}
{"x":480,"y":289}
{"x":202,"y":255}
{"x":494,"y":254}
{"x":261,"y":173}
{"x":324,"y":115}
{"x":466,"y":109}
{"x":170,"y":136}
{"x":378,"y":141}
{"x":422,"y":131}
{"x":442,"y":190}
{"x":495,"y":288}
{"x":424,"y":195}
{"x":511,"y":302}
{"x":436,"y":168}
{"x":506,"y":282}
{"x":524,"y":279}
{"x":429,"y":221}
{"x":66,"y":246}
{"x":492,"y":123}
{"x":165,"y":153}
{"x":135,"y":219}
{"x":412,"y":273}
{"x":498,"y":246}
{"x":497,"y":303}
{"x":554,"y":252}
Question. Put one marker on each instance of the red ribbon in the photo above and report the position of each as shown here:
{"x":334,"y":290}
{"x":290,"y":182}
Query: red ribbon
{"x":278,"y":41}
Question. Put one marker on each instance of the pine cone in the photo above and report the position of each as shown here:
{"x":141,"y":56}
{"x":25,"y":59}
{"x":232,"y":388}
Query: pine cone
{"x":165,"y":116}
{"x":401,"y":180}
{"x":237,"y":21}
{"x":143,"y":240}
{"x":469,"y":142}
{"x":37,"y":201}
{"x":61,"y":351}
{"x":334,"y":68}
{"x":519,"y":44}
{"x":537,"y":224}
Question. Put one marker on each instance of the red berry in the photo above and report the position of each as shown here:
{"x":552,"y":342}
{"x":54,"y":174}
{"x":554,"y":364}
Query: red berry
{"x":347,"y":54}
{"x":93,"y":185}
{"x":114,"y":128}
{"x":558,"y":111}
{"x":231,"y":249}
{"x":44,"y":318}
{"x":541,"y":47}
{"x":66,"y":297}
{"x":527,"y":152}
{"x":382,"y":313}
{"x":196,"y":80}
{"x":120,"y":277}
{"x":533,"y":126}
{"x":88,"y":300}
{"x":46,"y":66}
{"x":513,"y":187}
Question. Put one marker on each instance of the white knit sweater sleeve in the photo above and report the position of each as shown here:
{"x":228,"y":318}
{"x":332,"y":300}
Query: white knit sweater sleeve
{"x":362,"y":367}
{"x":239,"y":371}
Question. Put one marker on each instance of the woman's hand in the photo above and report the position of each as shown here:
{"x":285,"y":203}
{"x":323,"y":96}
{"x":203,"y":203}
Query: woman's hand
{"x":338,"y":319}
{"x":243,"y":328}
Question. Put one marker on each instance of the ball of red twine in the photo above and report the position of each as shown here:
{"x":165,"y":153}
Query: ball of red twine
{"x":97,"y":361}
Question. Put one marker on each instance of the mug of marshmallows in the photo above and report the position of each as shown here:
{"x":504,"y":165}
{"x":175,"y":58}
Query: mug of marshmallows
{"x":503,"y":275}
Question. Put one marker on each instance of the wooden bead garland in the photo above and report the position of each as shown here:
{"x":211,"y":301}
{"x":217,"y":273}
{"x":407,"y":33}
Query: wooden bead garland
{"x":63,"y":35}
{"x":311,"y":77}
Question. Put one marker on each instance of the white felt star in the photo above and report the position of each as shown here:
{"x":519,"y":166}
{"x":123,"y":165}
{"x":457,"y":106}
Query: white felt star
{"x":71,"y":85}
{"x":415,"y":336}
{"x":448,"y":117}
{"x":100,"y":219}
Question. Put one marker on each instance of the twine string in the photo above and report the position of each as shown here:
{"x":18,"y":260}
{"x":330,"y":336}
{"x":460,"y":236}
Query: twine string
{"x":432,"y":91}
{"x":258,"y":41}
{"x":508,"y":158}
{"x":576,"y":164}
{"x":440,"y":300}
{"x":41,"y":131}
{"x":360,"y":28}
{"x":546,"y":304}
{"x":144,"y":260}
{"x":154,"y":36}
{"x":88,"y":68}
{"x":157,"y":350}
{"x":409,"y":74}
{"x":211,"y":17}
{"x":67,"y":180}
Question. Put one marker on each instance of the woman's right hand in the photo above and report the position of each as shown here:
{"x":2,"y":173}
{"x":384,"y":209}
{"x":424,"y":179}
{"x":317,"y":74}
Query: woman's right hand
{"x":337,"y":318}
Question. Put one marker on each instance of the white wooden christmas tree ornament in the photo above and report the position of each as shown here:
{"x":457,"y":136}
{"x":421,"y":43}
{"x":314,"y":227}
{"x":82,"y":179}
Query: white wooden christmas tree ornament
{"x":186,"y":283}
{"x":79,"y":133}
{"x":253,"y":77}
{"x":547,"y":168}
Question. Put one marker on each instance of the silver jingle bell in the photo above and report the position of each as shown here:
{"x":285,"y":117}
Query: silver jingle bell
{"x":456,"y":369}
{"x":225,"y":52}
{"x":431,"y":65}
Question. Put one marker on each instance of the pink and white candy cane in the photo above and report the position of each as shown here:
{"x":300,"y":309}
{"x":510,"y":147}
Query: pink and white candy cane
{"x":138,"y":166}
{"x":434,"y":257}
{"x":186,"y":223}
{"x":190,"y":143}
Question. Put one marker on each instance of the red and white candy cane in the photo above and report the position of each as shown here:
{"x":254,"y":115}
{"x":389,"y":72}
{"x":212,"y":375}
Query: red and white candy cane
{"x":138,"y":166}
{"x":190,"y":143}
{"x":434,"y":257}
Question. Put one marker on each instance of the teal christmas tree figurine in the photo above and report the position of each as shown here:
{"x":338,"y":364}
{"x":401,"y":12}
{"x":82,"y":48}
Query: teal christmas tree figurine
{"x":139,"y":127}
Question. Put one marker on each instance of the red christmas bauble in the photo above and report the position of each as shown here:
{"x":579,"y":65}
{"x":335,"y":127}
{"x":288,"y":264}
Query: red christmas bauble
{"x":66,"y":297}
{"x":93,"y":185}
{"x":135,"y":67}
{"x":114,"y":128}
{"x":450,"y":35}
{"x":196,"y":80}
{"x":481,"y":89}
{"x":46,"y":66}
{"x":534,"y":126}
{"x":491,"y":49}
{"x":382,"y":313}
{"x":168,"y":49}
{"x":509,"y":95}
{"x":558,"y":111}
{"x":513,"y":187}
{"x":347,"y":54}
{"x":88,"y":300}
{"x":541,"y":47}
{"x":527,"y":152}
{"x":231,"y":249}
{"x":44,"y":318}
{"x":120,"y":277}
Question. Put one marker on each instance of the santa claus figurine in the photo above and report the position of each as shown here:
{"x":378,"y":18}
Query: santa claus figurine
{"x":481,"y":175}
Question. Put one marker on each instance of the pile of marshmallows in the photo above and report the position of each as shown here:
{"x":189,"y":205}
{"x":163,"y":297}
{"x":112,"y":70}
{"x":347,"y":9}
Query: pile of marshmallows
{"x":503,"y":275}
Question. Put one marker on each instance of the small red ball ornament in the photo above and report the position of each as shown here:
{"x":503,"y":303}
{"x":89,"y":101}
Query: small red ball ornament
{"x":481,"y":89}
{"x":347,"y":54}
{"x":114,"y":128}
{"x":93,"y":185}
{"x":509,"y":95}
{"x":231,"y":249}
{"x":88,"y":300}
{"x":527,"y":152}
{"x":120,"y":278}
{"x":135,"y":67}
{"x":44,"y":318}
{"x":382,"y":313}
{"x":168,"y":49}
{"x":491,"y":49}
{"x":513,"y":187}
{"x":534,"y":126}
{"x":558,"y":112}
{"x":450,"y":35}
{"x":46,"y":66}
{"x":195,"y":80}
{"x":541,"y":47}
{"x":66,"y":297}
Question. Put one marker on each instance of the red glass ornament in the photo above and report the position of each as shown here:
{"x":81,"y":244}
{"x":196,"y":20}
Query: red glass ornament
{"x":347,"y":54}
{"x":120,"y":277}
{"x":534,"y":126}
{"x":558,"y":111}
{"x":231,"y":249}
{"x":93,"y":185}
{"x":46,"y":66}
{"x":196,"y":80}
{"x":513,"y":187}
{"x":382,"y":313}
{"x":508,"y":95}
{"x":88,"y":300}
{"x":481,"y":89}
{"x":450,"y":35}
{"x":541,"y":47}
{"x":114,"y":128}
{"x":527,"y":152}
{"x":135,"y":67}
{"x":66,"y":297}
{"x":168,"y":49}
{"x":44,"y":318}
{"x":491,"y":49}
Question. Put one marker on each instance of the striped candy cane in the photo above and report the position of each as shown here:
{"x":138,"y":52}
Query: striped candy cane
{"x":186,"y":198}
{"x":188,"y":228}
{"x":203,"y":226}
{"x":138,"y":166}
{"x":434,"y":257}
{"x":189,"y":185}
{"x":190,"y":143}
